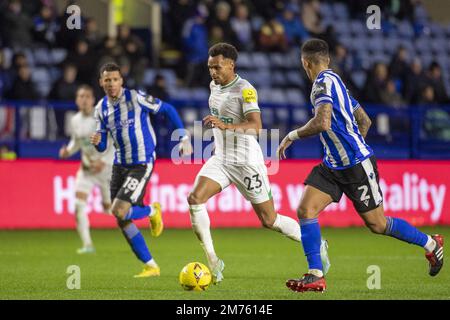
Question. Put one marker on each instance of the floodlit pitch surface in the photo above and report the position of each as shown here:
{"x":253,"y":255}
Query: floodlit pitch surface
{"x":34,"y":265}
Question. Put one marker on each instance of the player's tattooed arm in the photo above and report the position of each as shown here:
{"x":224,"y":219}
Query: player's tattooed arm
{"x":320,"y":122}
{"x":363,"y":121}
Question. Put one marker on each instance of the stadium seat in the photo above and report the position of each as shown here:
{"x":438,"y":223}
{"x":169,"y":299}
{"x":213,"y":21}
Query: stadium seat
{"x":360,"y":42}
{"x":409,"y":45}
{"x":423,"y":45}
{"x":277,"y":96}
{"x":30,"y":57}
{"x":328,"y":21}
{"x":436,"y":30}
{"x":278,"y":60}
{"x":405,"y":30}
{"x":341,"y":27}
{"x":169,"y":75}
{"x":376,"y":44}
{"x":326,"y":10}
{"x":262,"y":78}
{"x":200,"y":94}
{"x":268,"y":117}
{"x":42,"y":56}
{"x":346,"y":41}
{"x":390,"y":44}
{"x":260,"y":59}
{"x":264,"y":95}
{"x":426,"y":59}
{"x":180,"y":93}
{"x":149,"y":75}
{"x":282,"y":114}
{"x":7,"y":57}
{"x":278,"y":79}
{"x":55,"y":73}
{"x":246,"y":74}
{"x":244,"y":60}
{"x":340,"y":11}
{"x":439,"y":45}
{"x":295,"y":97}
{"x":359,"y":78}
{"x":292,"y":59}
{"x":300,"y":115}
{"x":58,"y":55}
{"x":294,"y":79}
{"x":356,"y":27}
{"x":446,"y":30}
{"x":42,"y":80}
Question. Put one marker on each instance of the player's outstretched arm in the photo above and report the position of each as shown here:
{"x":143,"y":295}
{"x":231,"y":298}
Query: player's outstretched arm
{"x":363,"y":121}
{"x":73,"y":146}
{"x":320,"y":122}
{"x":174,"y":117}
{"x":67,"y":151}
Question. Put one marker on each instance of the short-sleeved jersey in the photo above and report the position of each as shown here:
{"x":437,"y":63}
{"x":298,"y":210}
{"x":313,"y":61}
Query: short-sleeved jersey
{"x":128,"y":122}
{"x":81,"y":129}
{"x":343,"y":144}
{"x":231,"y":103}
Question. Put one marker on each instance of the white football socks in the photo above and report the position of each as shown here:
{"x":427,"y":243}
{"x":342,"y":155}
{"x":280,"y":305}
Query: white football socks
{"x":83,"y":223}
{"x":151,"y":263}
{"x":287,"y":226}
{"x":430,"y":245}
{"x":201,"y":226}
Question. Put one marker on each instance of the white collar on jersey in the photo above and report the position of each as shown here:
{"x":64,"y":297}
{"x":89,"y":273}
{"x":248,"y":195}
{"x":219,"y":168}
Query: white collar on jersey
{"x":320,"y":73}
{"x":231,"y":83}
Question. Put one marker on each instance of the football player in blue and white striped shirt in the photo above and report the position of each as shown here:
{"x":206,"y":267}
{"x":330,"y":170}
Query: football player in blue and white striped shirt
{"x":349,"y":167}
{"x":124,"y":114}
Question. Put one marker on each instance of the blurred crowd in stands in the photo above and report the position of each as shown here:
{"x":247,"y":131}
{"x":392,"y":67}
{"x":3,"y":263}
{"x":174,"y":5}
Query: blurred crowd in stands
{"x":189,"y":27}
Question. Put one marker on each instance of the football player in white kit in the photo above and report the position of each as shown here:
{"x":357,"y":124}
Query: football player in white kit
{"x":238,"y":159}
{"x":95,"y":168}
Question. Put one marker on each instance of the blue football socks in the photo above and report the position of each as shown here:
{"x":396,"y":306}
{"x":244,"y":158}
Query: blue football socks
{"x":137,"y":242}
{"x":310,"y":234}
{"x":138,"y":212}
{"x":402,"y":230}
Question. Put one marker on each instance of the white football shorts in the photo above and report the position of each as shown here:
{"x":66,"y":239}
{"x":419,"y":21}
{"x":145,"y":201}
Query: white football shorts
{"x":85,"y":182}
{"x":251,"y":180}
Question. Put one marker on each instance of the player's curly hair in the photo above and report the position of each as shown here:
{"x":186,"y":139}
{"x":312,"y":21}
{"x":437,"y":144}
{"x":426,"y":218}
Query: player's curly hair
{"x":315,"y":50}
{"x":224,"y":49}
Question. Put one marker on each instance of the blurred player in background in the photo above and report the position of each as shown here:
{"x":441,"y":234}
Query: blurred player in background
{"x":238,"y":158}
{"x":124,"y":113}
{"x":95,"y":169}
{"x":349,"y":167}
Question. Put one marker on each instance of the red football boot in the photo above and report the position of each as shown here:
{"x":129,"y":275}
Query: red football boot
{"x":308,"y":282}
{"x":436,"y":257}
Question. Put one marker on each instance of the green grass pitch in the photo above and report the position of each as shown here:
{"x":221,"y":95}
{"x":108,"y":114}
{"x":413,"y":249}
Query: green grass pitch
{"x":33,"y":265}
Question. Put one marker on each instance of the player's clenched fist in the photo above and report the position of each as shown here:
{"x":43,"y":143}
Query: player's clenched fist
{"x":96,"y":138}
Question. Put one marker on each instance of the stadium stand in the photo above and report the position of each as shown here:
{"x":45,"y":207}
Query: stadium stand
{"x":360,"y":55}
